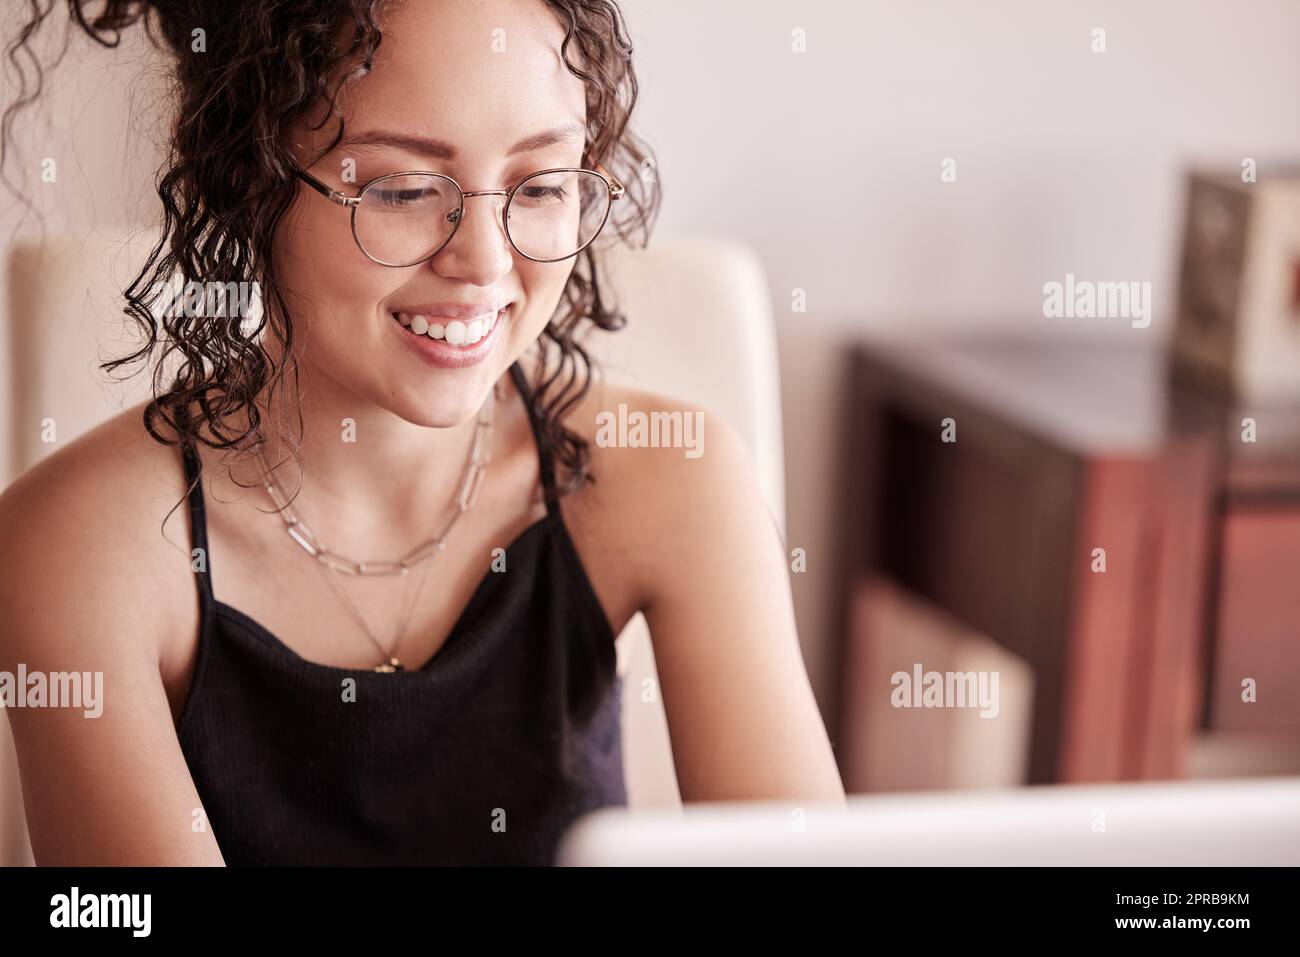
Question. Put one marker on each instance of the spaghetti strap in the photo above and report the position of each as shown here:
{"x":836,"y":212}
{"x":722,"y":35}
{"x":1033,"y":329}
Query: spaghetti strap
{"x":546,"y":462}
{"x":198,"y":516}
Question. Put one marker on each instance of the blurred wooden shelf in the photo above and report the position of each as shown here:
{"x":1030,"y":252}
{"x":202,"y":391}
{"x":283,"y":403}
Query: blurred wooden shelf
{"x":1062,"y":448}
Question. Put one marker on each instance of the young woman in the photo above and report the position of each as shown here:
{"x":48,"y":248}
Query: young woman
{"x":381,"y":627}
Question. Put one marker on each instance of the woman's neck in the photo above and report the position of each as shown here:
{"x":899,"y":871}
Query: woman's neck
{"x":366,"y":474}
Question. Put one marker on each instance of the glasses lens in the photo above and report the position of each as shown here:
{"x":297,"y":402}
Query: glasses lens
{"x":556,"y":214}
{"x":403,"y":218}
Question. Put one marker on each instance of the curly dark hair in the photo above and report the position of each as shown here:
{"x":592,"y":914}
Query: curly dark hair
{"x":228,"y":180}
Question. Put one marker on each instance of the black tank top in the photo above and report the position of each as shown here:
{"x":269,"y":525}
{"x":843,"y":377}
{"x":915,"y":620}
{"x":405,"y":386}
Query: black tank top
{"x":484,"y":755}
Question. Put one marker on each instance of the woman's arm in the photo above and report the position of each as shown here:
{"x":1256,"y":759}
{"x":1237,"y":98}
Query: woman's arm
{"x":81,"y":591}
{"x":741,"y":715}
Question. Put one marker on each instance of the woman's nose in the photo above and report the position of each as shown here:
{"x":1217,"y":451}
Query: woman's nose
{"x":479,"y":251}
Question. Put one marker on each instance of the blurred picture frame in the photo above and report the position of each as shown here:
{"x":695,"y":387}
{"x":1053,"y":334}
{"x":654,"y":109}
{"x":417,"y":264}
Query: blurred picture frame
{"x":1237,"y":326}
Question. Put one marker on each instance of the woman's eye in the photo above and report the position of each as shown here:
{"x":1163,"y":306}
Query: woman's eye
{"x":404,"y":192}
{"x":401,"y":198}
{"x":543,"y":195}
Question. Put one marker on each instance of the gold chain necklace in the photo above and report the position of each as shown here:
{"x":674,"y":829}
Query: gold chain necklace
{"x":334,"y":563}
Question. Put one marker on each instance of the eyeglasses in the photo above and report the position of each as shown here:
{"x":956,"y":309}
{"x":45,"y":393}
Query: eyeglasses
{"x":404,"y":219}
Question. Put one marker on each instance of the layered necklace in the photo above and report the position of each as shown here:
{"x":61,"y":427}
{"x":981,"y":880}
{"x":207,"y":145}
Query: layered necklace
{"x":334,"y":564}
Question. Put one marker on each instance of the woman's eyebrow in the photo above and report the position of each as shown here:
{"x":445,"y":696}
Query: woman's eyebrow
{"x":442,"y":150}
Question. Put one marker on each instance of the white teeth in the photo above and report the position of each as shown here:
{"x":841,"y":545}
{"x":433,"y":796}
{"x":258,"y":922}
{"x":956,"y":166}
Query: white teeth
{"x":457,"y":332}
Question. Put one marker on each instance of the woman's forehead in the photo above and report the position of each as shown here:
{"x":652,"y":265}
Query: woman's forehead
{"x":470,"y":49}
{"x":479,"y":74}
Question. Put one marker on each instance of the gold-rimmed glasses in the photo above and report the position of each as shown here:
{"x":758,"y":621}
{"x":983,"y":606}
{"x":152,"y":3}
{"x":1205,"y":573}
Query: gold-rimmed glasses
{"x":404,"y":219}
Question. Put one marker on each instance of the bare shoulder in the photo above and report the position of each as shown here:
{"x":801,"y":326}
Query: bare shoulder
{"x":677,"y":521}
{"x":90,"y":534}
{"x":89,"y":592}
{"x":669,"y":476}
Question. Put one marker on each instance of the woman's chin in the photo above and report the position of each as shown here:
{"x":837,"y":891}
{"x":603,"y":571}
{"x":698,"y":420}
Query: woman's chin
{"x":444,"y":409}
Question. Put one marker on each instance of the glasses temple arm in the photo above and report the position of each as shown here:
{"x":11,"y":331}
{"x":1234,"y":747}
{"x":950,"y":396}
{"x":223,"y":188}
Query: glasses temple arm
{"x":333,"y":195}
{"x":616,"y":188}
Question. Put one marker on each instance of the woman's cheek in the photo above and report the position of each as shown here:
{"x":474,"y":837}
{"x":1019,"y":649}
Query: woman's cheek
{"x":543,"y":288}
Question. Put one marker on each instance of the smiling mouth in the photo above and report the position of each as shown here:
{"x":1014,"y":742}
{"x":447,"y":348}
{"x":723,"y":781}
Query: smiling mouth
{"x":462,"y":333}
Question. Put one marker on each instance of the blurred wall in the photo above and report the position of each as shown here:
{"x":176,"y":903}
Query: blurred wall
{"x":828,"y":163}
{"x":97,"y":128}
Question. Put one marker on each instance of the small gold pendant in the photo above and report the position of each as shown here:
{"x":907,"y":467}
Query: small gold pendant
{"x":392,"y":664}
